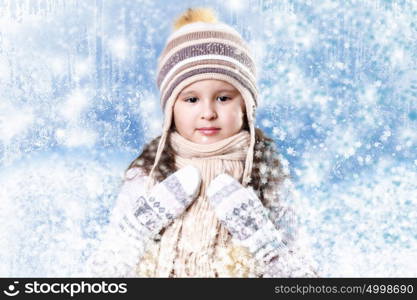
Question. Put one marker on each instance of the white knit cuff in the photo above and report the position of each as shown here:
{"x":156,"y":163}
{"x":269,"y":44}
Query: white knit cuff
{"x":266,"y":243}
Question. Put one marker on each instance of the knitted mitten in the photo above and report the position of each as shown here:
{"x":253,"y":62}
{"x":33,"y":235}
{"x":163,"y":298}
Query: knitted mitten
{"x":137,"y":218}
{"x":243,"y":214}
{"x":168,"y":199}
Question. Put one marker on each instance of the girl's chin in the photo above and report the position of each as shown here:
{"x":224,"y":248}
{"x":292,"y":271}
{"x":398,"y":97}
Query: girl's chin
{"x":205,"y":140}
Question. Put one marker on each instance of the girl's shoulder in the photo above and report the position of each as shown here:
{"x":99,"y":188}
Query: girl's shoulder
{"x":134,"y":180}
{"x":135,"y":173}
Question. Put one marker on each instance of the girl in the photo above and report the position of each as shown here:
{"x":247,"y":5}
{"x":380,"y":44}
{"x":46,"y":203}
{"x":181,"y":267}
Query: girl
{"x":208,"y":198}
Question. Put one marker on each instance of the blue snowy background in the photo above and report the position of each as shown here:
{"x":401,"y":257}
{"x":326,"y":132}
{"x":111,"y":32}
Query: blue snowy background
{"x":78,"y":100}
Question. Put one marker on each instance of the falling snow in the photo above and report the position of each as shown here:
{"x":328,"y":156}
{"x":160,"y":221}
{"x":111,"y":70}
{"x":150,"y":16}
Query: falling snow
{"x":338,"y":91}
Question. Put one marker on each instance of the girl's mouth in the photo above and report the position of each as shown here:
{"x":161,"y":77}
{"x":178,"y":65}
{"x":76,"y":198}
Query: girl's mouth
{"x":208,"y":130}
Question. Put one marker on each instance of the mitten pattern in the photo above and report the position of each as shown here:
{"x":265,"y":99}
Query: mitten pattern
{"x":167,"y":200}
{"x":242,"y":216}
{"x":240,"y":210}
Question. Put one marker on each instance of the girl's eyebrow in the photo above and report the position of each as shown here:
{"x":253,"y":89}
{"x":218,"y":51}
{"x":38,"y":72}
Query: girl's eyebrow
{"x":196,"y":92}
{"x":186,"y":93}
{"x":226,"y":90}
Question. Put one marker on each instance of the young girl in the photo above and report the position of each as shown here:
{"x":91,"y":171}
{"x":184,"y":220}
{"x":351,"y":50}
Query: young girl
{"x":209,"y":197}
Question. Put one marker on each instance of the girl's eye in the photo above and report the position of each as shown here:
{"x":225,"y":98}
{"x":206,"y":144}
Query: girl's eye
{"x":223,"y":98}
{"x":191,"y":100}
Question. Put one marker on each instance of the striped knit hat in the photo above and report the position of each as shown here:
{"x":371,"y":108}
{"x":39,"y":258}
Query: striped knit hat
{"x":204,"y":48}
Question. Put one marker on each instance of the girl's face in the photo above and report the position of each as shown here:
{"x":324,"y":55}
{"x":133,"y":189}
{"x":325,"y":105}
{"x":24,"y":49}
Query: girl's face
{"x":208,"y":111}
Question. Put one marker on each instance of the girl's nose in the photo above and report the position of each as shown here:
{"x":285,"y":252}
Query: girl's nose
{"x":208,"y":112}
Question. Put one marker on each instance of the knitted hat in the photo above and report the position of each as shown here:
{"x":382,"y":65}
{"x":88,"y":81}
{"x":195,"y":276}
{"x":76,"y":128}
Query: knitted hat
{"x":203,"y":48}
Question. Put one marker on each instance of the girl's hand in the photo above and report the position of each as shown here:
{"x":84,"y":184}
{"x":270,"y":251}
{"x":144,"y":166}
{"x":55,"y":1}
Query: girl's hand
{"x":243,"y":214}
{"x":168,"y":199}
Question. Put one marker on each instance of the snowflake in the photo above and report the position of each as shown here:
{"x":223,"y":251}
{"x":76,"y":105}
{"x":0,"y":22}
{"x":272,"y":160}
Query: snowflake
{"x":290,"y":151}
{"x":263,"y":168}
{"x":275,"y":172}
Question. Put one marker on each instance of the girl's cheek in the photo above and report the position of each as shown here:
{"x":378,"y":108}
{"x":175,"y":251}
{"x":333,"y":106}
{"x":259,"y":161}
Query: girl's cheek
{"x":237,"y":114}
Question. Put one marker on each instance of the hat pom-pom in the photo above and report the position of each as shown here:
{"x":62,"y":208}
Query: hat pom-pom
{"x":192,"y":15}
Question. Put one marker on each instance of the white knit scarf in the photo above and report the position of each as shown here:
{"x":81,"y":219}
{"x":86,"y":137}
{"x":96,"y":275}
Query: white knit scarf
{"x":197,"y":244}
